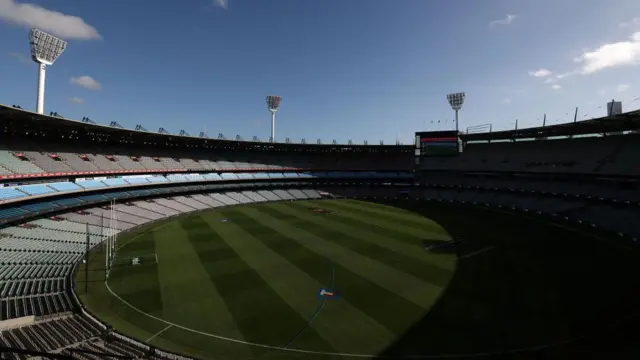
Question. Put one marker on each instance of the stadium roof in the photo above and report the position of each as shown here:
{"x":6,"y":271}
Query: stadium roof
{"x":18,"y":119}
{"x":609,"y":124}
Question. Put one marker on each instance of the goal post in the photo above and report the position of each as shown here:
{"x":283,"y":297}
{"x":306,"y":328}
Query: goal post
{"x":111,"y":238}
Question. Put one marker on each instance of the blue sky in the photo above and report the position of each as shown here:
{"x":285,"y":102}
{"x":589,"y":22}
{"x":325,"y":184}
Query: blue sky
{"x":356,"y":69}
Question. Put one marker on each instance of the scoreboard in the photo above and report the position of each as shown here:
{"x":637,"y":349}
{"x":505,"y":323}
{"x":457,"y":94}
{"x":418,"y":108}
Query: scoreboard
{"x":437,"y":143}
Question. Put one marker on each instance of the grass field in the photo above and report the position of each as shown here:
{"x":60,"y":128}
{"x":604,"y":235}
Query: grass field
{"x":209,"y":284}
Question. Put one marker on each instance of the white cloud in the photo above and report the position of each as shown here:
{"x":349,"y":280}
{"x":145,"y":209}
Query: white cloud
{"x":86,"y":82}
{"x":506,"y":101}
{"x":633,"y":22}
{"x":550,"y":80}
{"x":221,"y":3}
{"x":20,"y":57}
{"x":556,"y":87}
{"x":622,"y":87}
{"x":76,"y":100}
{"x":623,"y":53}
{"x":508,"y":19}
{"x":540,"y":73}
{"x":34,"y":16}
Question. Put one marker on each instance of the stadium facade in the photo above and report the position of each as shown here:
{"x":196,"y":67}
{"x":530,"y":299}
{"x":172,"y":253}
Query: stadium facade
{"x":59,"y":175}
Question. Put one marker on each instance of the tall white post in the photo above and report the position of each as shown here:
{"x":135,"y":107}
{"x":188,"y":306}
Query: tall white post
{"x":273,"y":126}
{"x":115,"y":228}
{"x":456,"y":120}
{"x":42,"y":71}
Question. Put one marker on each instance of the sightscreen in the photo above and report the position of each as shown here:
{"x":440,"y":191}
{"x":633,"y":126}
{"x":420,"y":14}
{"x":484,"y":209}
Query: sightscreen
{"x":437,"y":143}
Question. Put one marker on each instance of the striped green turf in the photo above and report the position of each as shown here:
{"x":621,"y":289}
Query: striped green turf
{"x":254,"y":278}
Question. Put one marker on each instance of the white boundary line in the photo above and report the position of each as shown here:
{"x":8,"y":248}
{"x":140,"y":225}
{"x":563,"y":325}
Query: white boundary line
{"x":159,"y":332}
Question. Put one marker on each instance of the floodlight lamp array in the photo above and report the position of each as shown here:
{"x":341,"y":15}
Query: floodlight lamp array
{"x":456,"y":100}
{"x":45,"y":48}
{"x":273,"y":102}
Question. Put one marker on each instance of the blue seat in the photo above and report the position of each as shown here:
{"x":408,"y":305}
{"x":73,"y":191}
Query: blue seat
{"x":40,"y":206}
{"x":136,"y":180}
{"x":245,"y":176}
{"x":64,"y":186}
{"x":214,"y":177}
{"x":176,"y":178}
{"x":37,"y":189}
{"x":8,"y":193}
{"x":260,"y":176}
{"x":11,"y":212}
{"x":157,"y":179}
{"x":194,"y":177}
{"x":67,"y":202}
{"x":91,"y":184}
{"x":115,"y":182}
{"x":90,"y":198}
{"x":229,"y":176}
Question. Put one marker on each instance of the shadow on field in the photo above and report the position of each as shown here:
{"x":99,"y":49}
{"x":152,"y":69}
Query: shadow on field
{"x":540,"y":285}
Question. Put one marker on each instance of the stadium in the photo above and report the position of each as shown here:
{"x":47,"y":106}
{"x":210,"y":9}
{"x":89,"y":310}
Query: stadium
{"x":120,"y":243}
{"x":231,"y":249}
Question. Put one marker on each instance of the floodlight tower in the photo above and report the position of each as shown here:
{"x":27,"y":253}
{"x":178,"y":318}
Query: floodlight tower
{"x":45,"y":49}
{"x":273,"y":103}
{"x":456,"y":100}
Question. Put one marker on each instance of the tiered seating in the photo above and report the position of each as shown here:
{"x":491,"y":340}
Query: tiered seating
{"x":101,"y":161}
{"x":157,"y":179}
{"x":224,"y":199}
{"x":64,"y":186}
{"x":46,"y":162}
{"x":150,"y":163}
{"x":9,"y":193}
{"x":270,"y":196}
{"x":253,"y":196}
{"x":115,"y":182}
{"x":171,"y":163}
{"x":127,"y":163}
{"x":174,"y":205}
{"x":36,"y":189}
{"x":136,"y":180}
{"x":138,"y":211}
{"x":602,"y":155}
{"x":176,"y":178}
{"x":211,"y":177}
{"x":283,"y":194}
{"x":297,"y":194}
{"x":191,"y":202}
{"x":157,"y":208}
{"x":209,"y":200}
{"x":229,"y":176}
{"x":15,"y":165}
{"x":91,"y":184}
{"x":76,"y":163}
{"x":238,"y":197}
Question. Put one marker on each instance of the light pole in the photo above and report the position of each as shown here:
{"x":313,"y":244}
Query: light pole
{"x":45,"y":49}
{"x":456,"y":100}
{"x":273,"y":103}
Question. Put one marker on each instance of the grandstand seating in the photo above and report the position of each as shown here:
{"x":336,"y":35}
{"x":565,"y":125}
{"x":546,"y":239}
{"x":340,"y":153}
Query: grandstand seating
{"x":616,"y":154}
{"x":8,"y":193}
{"x":53,"y":157}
